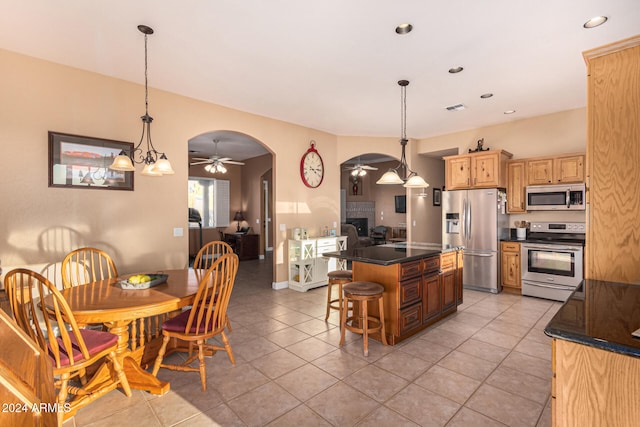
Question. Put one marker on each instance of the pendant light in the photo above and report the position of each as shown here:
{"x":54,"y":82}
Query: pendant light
{"x":155,"y":162}
{"x":402,"y":174}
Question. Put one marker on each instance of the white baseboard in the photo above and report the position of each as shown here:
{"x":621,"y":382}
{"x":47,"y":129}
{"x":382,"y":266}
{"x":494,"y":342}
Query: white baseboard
{"x":279,"y":285}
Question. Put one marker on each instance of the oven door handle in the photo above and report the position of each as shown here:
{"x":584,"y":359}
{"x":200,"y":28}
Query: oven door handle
{"x":568,"y":198}
{"x":552,"y":248}
{"x":554,"y":286}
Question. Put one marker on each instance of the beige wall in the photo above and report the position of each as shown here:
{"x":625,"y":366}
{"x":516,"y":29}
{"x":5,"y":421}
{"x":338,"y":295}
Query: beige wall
{"x":40,"y":224}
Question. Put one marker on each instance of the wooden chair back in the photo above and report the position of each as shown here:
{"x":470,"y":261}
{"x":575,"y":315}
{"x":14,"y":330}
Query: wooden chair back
{"x":209,"y":253}
{"x":86,"y":265}
{"x":209,"y":311}
{"x":27,"y":291}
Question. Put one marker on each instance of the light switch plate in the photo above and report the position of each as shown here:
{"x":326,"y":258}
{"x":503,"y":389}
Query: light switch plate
{"x":178,"y":232}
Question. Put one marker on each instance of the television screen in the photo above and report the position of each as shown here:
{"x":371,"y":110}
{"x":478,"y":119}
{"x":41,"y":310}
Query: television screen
{"x":401,"y":204}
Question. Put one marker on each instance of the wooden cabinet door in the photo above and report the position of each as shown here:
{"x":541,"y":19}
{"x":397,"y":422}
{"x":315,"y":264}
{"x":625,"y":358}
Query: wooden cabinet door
{"x":568,"y":169}
{"x":430,"y":297}
{"x":510,"y":268}
{"x":459,"y":267}
{"x":448,"y":291}
{"x":540,"y":171}
{"x":485,"y":170}
{"x":458,"y":172}
{"x":516,"y":185}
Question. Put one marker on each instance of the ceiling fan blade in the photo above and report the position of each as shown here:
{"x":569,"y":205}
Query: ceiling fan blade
{"x":223,"y":159}
{"x":202,"y":162}
{"x":232,"y":162}
{"x":369,"y":168}
{"x":200,"y":158}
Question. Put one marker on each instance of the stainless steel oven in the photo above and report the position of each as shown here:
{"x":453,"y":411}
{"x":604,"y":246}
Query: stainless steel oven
{"x":552,"y":260}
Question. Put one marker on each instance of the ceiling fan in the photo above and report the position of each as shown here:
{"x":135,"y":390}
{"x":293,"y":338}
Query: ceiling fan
{"x":215,"y":163}
{"x":359,"y":169}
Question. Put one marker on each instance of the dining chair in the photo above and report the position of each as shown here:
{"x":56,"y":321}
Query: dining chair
{"x":71,"y":349}
{"x":204,"y":320}
{"x":208,"y":254}
{"x":86,"y":265}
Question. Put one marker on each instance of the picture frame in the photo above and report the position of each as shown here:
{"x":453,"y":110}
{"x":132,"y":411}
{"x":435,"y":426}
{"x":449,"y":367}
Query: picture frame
{"x":83,"y":162}
{"x":437,"y":197}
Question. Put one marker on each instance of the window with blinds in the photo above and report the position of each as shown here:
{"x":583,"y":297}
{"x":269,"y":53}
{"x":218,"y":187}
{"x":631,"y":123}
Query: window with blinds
{"x":210,"y":197}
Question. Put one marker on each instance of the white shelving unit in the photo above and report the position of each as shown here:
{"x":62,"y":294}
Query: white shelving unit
{"x":307,"y":267}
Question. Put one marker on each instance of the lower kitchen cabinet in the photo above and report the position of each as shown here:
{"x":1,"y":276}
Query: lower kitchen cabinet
{"x":511,"y":268}
{"x":431,"y":304}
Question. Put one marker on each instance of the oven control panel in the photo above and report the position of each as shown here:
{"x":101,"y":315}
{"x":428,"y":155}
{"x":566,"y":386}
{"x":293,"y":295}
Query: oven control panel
{"x":559,"y":227}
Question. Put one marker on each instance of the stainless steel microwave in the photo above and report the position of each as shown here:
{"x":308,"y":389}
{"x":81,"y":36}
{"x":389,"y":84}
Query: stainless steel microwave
{"x":556,"y":197}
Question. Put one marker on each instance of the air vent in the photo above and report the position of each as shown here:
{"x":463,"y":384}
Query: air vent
{"x":457,"y":107}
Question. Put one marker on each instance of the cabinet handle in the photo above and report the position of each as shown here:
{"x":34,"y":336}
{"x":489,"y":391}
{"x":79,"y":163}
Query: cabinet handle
{"x":468,"y":181}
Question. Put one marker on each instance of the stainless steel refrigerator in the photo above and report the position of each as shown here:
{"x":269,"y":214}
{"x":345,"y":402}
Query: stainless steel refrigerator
{"x":476,"y":221}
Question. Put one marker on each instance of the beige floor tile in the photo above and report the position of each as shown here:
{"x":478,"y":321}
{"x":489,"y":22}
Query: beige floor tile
{"x":252,"y":349}
{"x":531,"y":365}
{"x":423,"y":406}
{"x":443,"y":337}
{"x":141,"y":416}
{"x":489,"y":313}
{"x":342,"y":405}
{"x":470,"y":318}
{"x":248,"y":318}
{"x":231,"y":383}
{"x":545,"y":418}
{"x":497,"y":338}
{"x":175,"y":406}
{"x":221,"y":415}
{"x":539,"y":336}
{"x":376,"y":383}
{"x":340,"y":364}
{"x":535,"y":348}
{"x":278,"y":363}
{"x":447,"y":383}
{"x":376,"y":349}
{"x":468,"y":418}
{"x":427,"y":350}
{"x":311,"y":349}
{"x":298,"y":417}
{"x":286,"y":337}
{"x":293,"y":318}
{"x":263,"y":404}
{"x":525,"y":385}
{"x":306,"y":381}
{"x":468,"y":365}
{"x":384,"y":416}
{"x":508,"y":328}
{"x":483,"y":350}
{"x":263,"y":328}
{"x":403,"y":364}
{"x":314,"y":327}
{"x":109,"y":404}
{"x":508,"y":408}
{"x":460,"y":328}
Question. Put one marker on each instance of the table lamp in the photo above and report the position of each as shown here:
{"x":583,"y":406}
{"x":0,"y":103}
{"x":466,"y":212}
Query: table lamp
{"x":238,"y":217}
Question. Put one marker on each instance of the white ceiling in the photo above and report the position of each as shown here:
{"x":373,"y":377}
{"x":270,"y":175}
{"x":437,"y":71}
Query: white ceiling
{"x":333,"y":65}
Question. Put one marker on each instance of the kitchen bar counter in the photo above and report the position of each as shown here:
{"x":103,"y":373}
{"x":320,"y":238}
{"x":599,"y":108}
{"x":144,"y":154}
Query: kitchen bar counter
{"x":422,"y":283}
{"x":600,"y":314}
{"x":595,"y":359}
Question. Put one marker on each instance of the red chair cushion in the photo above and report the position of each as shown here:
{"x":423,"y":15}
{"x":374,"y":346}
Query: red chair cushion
{"x":179,"y":323}
{"x":96,"y":341}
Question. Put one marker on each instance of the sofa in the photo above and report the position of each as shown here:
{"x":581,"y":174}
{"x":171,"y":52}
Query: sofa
{"x":353,"y":240}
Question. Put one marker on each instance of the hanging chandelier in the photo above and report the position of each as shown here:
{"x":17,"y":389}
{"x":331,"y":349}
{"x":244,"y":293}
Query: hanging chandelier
{"x":155,"y":162}
{"x":402,"y":174}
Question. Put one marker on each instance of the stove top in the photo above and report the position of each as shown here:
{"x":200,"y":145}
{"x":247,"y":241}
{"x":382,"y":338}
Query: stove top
{"x":557,"y":233}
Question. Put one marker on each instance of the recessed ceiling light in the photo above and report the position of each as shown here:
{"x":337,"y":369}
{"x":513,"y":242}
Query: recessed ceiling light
{"x":486,"y":95}
{"x":404,"y":28}
{"x":595,"y":22}
{"x":510,"y":111}
{"x":457,"y":107}
{"x":455,"y":70}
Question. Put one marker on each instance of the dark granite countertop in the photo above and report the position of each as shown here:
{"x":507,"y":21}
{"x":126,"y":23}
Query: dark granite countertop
{"x":600,"y":314}
{"x":387,"y":254}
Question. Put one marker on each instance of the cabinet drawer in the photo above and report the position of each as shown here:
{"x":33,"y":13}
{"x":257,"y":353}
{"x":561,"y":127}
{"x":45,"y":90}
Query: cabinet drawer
{"x":431,"y":264}
{"x":448,"y":261}
{"x":511,"y":246}
{"x":410,"y":292}
{"x":409,"y":269}
{"x":410,"y":318}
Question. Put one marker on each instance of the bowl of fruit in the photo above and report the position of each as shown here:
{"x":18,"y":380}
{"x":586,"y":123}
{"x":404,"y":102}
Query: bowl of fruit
{"x":143,"y":281}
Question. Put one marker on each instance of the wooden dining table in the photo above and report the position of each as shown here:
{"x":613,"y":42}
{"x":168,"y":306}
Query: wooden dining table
{"x":120,"y":310}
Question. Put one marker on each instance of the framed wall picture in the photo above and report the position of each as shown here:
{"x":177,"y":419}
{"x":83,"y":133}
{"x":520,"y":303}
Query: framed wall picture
{"x":437,"y":196}
{"x":83,"y":162}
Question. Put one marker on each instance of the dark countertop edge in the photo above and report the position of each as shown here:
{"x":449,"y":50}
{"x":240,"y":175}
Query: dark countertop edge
{"x":350,"y":257}
{"x":593,"y":342}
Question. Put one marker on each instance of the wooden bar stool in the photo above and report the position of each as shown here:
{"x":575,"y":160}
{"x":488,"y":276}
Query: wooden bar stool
{"x":339,"y":278}
{"x":360,"y":294}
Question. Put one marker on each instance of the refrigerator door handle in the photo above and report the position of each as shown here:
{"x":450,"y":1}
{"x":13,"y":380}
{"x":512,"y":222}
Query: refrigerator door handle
{"x":463,"y":221}
{"x":479,"y":255}
{"x":469,"y":220}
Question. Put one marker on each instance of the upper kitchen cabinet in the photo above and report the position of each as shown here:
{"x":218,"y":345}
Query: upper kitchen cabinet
{"x":556,"y":170}
{"x":485,"y":169}
{"x":612,"y":249}
{"x":516,"y":185}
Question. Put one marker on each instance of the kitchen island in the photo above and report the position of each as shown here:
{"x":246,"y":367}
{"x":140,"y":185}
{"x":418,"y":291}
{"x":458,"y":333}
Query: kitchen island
{"x":595,"y":357}
{"x":422,"y":283}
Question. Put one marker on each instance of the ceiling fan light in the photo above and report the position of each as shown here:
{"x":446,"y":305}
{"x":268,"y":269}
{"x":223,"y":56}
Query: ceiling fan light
{"x":362,"y":172}
{"x":415,"y":181}
{"x":390,"y":177}
{"x":150,"y":170}
{"x":164,"y":166}
{"x":354,"y":172}
{"x":221,"y":168}
{"x":122,"y":162}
